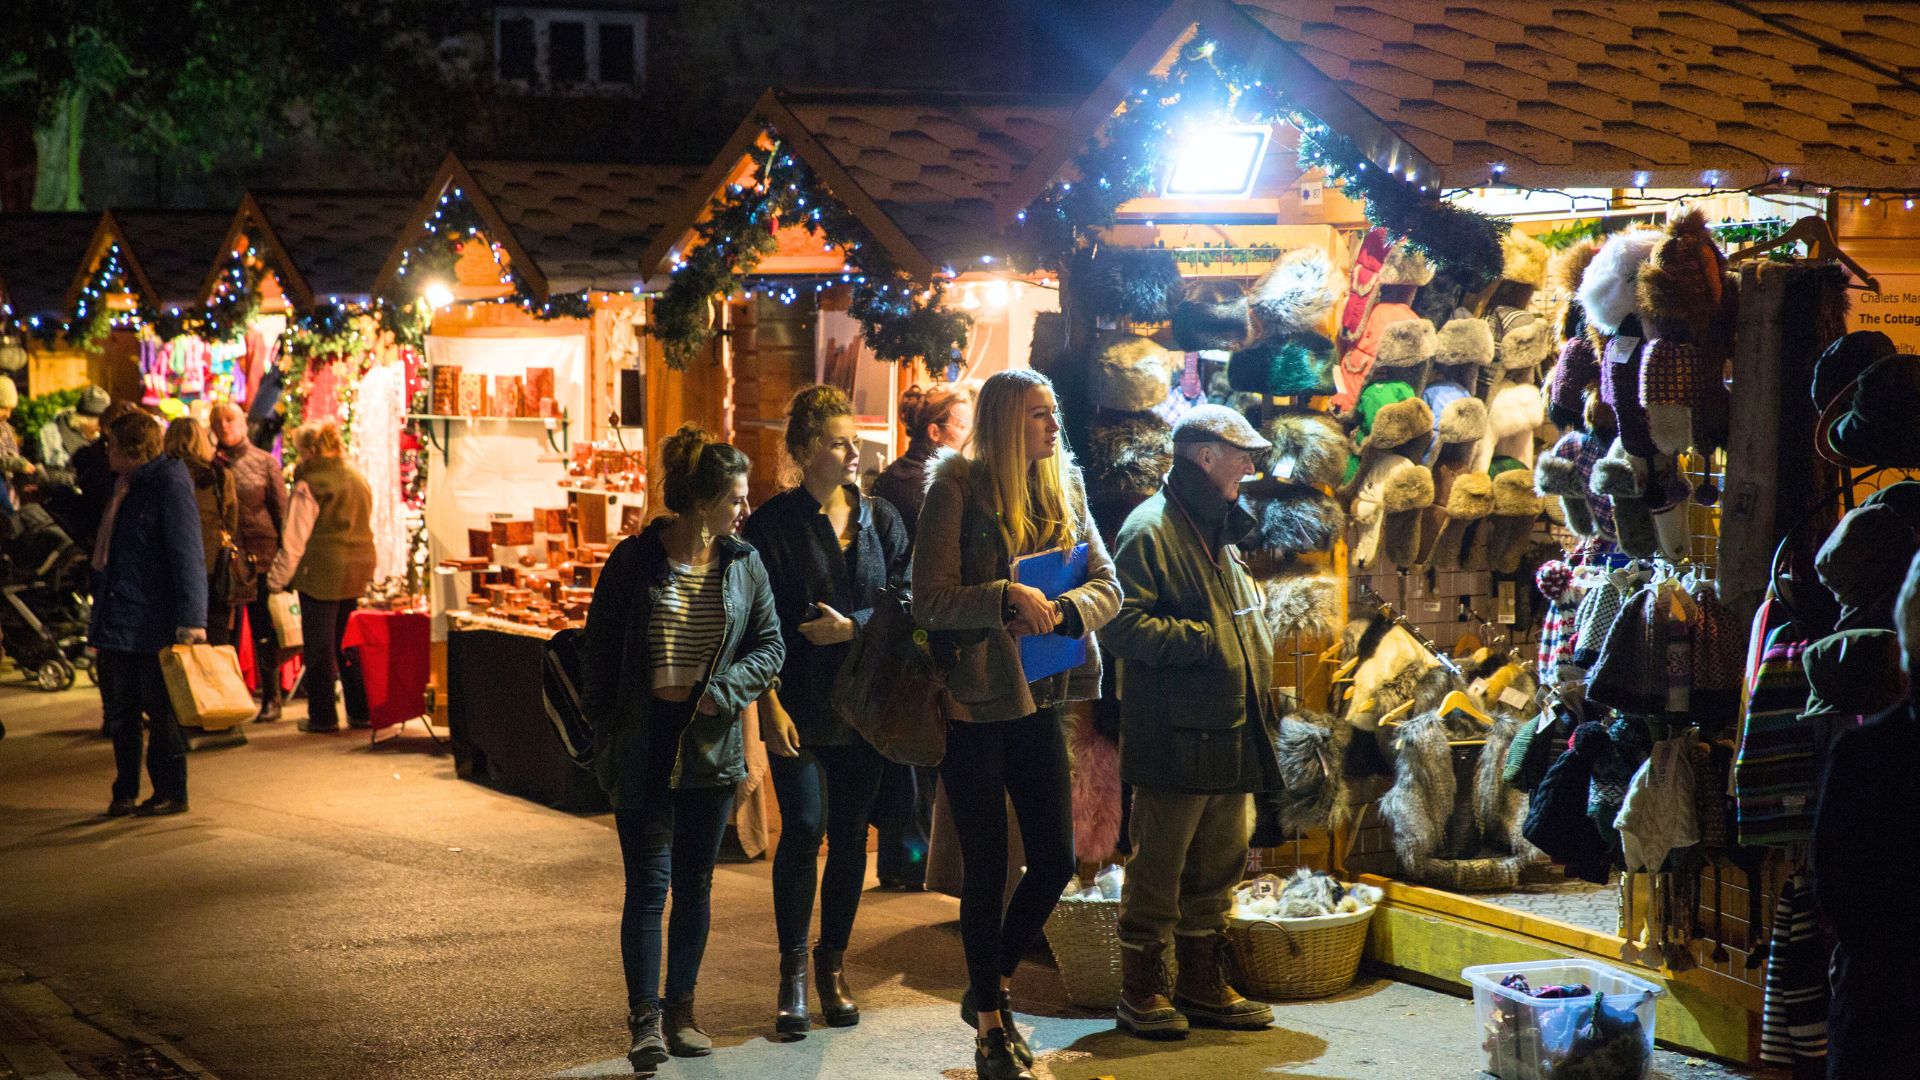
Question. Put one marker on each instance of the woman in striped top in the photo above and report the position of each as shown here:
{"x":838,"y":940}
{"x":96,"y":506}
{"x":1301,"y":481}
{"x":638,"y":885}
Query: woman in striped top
{"x":680,"y":638}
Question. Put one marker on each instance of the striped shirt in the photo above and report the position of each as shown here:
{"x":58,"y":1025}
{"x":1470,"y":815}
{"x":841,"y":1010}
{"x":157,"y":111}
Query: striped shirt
{"x":689,"y":620}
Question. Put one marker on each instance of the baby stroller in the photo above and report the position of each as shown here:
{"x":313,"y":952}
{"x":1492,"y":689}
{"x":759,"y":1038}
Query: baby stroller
{"x":44,"y":600}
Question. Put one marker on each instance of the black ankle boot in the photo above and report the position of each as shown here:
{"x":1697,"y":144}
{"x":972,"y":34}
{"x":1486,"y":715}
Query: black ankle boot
{"x":648,"y":1048}
{"x":993,"y":1057}
{"x":830,"y":981}
{"x":791,"y":1017}
{"x":969,"y":1016}
{"x":684,"y":1037}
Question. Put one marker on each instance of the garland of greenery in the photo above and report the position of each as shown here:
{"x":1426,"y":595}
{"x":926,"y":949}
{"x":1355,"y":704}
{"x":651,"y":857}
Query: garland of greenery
{"x":91,"y":319}
{"x":34,"y":413}
{"x":453,"y":225}
{"x":237,"y":295}
{"x":1204,"y":86}
{"x":900,"y":321}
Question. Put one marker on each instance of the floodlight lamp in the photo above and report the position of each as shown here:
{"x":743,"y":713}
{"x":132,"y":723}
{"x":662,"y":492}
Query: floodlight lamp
{"x":437,"y":295}
{"x":1218,"y":162}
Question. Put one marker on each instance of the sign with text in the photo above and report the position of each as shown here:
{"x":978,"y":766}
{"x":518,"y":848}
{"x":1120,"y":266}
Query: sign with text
{"x":1894,"y":310}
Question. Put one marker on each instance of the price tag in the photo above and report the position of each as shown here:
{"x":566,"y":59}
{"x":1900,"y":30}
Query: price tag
{"x":1621,"y":349}
{"x":1190,"y":378}
{"x":1512,"y":698}
{"x":1506,"y":602}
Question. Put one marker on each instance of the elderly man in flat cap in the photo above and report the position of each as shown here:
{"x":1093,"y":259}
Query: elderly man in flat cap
{"x":1196,"y":736}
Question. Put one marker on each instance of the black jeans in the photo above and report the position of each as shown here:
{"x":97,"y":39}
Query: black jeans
{"x":220,"y":620}
{"x":987,"y":764}
{"x":323,"y":624}
{"x":904,"y":815}
{"x":668,"y":844}
{"x":133,"y":695}
{"x":828,"y":792}
{"x":266,"y":645}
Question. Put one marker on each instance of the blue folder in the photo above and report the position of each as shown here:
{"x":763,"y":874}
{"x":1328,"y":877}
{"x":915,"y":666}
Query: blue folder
{"x":1052,"y":572}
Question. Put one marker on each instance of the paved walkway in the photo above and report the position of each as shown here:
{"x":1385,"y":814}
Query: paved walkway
{"x":329,"y":910}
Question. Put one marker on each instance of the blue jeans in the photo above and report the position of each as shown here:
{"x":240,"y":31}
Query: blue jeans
{"x":828,"y":791}
{"x":670,"y":843}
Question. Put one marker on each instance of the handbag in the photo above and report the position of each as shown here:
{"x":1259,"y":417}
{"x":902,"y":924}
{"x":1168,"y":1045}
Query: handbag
{"x":236,"y":576}
{"x":285,"y":609}
{"x":205,"y":687}
{"x":888,"y":688}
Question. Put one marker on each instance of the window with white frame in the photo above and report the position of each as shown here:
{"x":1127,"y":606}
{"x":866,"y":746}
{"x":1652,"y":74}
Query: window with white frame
{"x":539,"y":48}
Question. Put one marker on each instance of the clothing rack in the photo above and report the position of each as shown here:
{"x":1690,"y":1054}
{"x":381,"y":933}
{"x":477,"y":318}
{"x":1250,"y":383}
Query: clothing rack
{"x":1387,"y":611}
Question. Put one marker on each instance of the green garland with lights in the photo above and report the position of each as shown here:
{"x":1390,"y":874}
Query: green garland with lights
{"x":91,"y":319}
{"x":901,"y":321}
{"x":236,"y":296}
{"x":453,"y":225}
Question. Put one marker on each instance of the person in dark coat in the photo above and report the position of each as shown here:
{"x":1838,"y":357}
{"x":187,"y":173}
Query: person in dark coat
{"x":1196,"y":737}
{"x":149,"y":592}
{"x":262,"y":494}
{"x":681,"y":637}
{"x":903,"y":814}
{"x":1867,"y":875}
{"x":79,"y":508}
{"x":829,"y":552}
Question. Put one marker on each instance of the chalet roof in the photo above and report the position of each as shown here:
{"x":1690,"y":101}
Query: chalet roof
{"x":1593,"y":93}
{"x":167,"y":252}
{"x":328,"y":243}
{"x":38,"y":254}
{"x":583,"y":226}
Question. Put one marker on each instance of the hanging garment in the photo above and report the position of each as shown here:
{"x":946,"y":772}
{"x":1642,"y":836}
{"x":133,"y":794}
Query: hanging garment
{"x":1673,"y":637}
{"x":1776,"y":773}
{"x":1627,"y":673}
{"x":1591,"y":621}
{"x":1716,"y":659}
{"x":1455,"y":823}
{"x":1658,"y":815}
{"x":1554,"y":579}
{"x":1793,"y":1020}
{"x":1614,"y":763}
{"x":1557,"y":821}
{"x":379,"y":414}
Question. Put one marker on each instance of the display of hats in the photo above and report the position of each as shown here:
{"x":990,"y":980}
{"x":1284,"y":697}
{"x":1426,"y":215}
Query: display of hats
{"x":1132,"y":374}
{"x":1843,"y":361}
{"x":1213,"y":315}
{"x":1877,"y":427}
{"x":1464,"y":342}
{"x":1854,"y":673}
{"x":1308,"y":448}
{"x":1290,"y":366}
{"x":1864,"y":562}
{"x":1403,"y":352}
{"x":1141,"y":285}
{"x":1296,"y":519}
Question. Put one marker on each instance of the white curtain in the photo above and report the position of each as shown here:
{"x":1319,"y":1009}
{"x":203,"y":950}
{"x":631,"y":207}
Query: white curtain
{"x":379,"y":411}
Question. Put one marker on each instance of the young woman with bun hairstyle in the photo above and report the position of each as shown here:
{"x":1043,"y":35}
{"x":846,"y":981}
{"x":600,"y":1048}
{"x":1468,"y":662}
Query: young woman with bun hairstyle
{"x":829,"y":550}
{"x":1014,"y":491}
{"x":680,"y":638}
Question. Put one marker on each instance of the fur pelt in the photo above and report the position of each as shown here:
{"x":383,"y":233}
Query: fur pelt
{"x":1524,"y":258}
{"x":1619,"y":473}
{"x":1609,"y":288}
{"x":1680,"y":288}
{"x":1408,"y":487}
{"x":1526,"y":343}
{"x":1308,"y":447}
{"x":1565,"y":272}
{"x":1133,"y":375}
{"x":1135,"y":284}
{"x":1462,"y":420}
{"x":1407,"y":343}
{"x":1464,"y":341}
{"x":1409,"y":490}
{"x":1287,"y":365}
{"x":1096,"y":790}
{"x":1393,"y":669}
{"x":1301,"y":604}
{"x":1405,"y":265}
{"x":1439,"y":831}
{"x":1296,"y":518}
{"x":1472,"y":497}
{"x":1311,"y":752}
{"x":1295,"y":296}
{"x":1212,"y":316}
{"x":1127,"y":454}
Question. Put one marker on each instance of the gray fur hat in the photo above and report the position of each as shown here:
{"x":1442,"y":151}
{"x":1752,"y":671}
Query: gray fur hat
{"x":1464,"y":341}
{"x":1133,"y":375}
{"x":1295,"y":296}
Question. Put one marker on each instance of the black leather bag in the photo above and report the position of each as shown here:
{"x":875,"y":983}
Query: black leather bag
{"x":888,"y":688}
{"x":235,"y":579}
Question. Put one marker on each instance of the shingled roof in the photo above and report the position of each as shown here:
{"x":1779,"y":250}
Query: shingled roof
{"x":1593,"y":93}
{"x":923,"y":170}
{"x":38,"y":253}
{"x":566,"y":226}
{"x":166,"y":252}
{"x":324,"y":244}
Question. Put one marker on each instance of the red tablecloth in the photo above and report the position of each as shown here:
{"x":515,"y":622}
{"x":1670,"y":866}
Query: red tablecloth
{"x":395,"y":657}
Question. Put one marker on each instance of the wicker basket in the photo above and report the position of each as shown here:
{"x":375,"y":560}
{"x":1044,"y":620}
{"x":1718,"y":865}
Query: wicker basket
{"x":1289,"y":959}
{"x":1085,"y":939}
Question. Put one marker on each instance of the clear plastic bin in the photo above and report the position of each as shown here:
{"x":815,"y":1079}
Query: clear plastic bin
{"x":1527,"y":1038}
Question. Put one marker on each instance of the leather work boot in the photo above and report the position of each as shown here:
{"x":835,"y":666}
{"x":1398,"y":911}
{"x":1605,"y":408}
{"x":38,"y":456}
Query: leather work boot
{"x":647,"y":1049}
{"x":1203,"y":992}
{"x":791,"y":1017}
{"x":1144,"y":1006}
{"x":684,"y":1037}
{"x":830,"y":982}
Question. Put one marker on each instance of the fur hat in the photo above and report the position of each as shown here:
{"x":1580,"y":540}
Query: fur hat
{"x":1289,"y":365}
{"x":1308,"y":448}
{"x":1295,"y":296}
{"x":1558,"y":474}
{"x":1212,"y":316}
{"x":1297,"y":519}
{"x":1623,"y":479}
{"x":1128,"y":455}
{"x":1464,"y":341}
{"x":1133,"y":375}
{"x":1524,"y":258}
{"x":1307,"y":604}
{"x":1464,"y":420}
{"x":1405,"y":344}
{"x":1681,"y":287}
{"x":1367,"y":509}
{"x":1397,"y":424}
{"x":1608,"y":289}
{"x":1620,"y":366}
{"x":1516,"y":412}
{"x":1405,"y":265}
{"x":1510,"y":532}
{"x":1565,"y":272}
{"x":1526,"y":339}
{"x":1469,"y":498}
{"x":1407,"y":492}
{"x":1140,"y":285}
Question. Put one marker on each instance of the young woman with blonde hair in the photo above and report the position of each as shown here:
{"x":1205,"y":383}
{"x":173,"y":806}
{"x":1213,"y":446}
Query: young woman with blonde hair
{"x":829,"y":551}
{"x":1015,"y":491}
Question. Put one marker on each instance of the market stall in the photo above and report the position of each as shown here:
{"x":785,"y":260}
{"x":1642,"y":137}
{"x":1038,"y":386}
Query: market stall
{"x":38,"y":253}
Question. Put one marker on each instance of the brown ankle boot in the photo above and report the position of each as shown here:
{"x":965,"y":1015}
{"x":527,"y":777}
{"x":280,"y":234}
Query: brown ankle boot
{"x":1203,"y":992}
{"x":1144,"y":1009}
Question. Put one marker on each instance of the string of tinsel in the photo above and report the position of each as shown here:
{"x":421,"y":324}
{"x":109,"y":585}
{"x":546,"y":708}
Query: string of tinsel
{"x":899,"y":321}
{"x":1205,"y":86}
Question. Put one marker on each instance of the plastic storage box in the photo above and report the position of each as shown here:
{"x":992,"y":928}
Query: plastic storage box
{"x":1529,"y":1038}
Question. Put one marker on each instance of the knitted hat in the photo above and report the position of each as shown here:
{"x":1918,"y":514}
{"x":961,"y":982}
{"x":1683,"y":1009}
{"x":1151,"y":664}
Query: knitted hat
{"x":1295,"y":296}
{"x":1408,"y":491}
{"x":1464,"y":341}
{"x":1672,"y":525}
{"x":1308,"y":448}
{"x":1212,"y":316}
{"x":1133,"y":375}
{"x":1620,"y":388}
{"x":1670,"y":389}
{"x":1577,"y":369}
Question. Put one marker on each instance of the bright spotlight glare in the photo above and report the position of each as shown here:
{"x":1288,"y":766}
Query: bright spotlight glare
{"x":1218,"y":162}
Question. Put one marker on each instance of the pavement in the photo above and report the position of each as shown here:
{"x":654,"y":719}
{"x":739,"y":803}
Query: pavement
{"x":331,"y":910}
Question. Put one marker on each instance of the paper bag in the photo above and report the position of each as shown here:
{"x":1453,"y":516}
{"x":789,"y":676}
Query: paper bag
{"x":285,"y":608}
{"x":205,"y":686}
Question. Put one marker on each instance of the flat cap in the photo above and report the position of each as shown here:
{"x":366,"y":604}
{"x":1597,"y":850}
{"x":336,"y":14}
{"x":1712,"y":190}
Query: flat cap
{"x":1217,"y":423}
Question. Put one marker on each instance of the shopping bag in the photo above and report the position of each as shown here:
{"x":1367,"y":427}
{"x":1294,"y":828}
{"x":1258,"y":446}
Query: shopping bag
{"x":888,"y":688}
{"x":205,"y":686}
{"x":285,"y":607}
